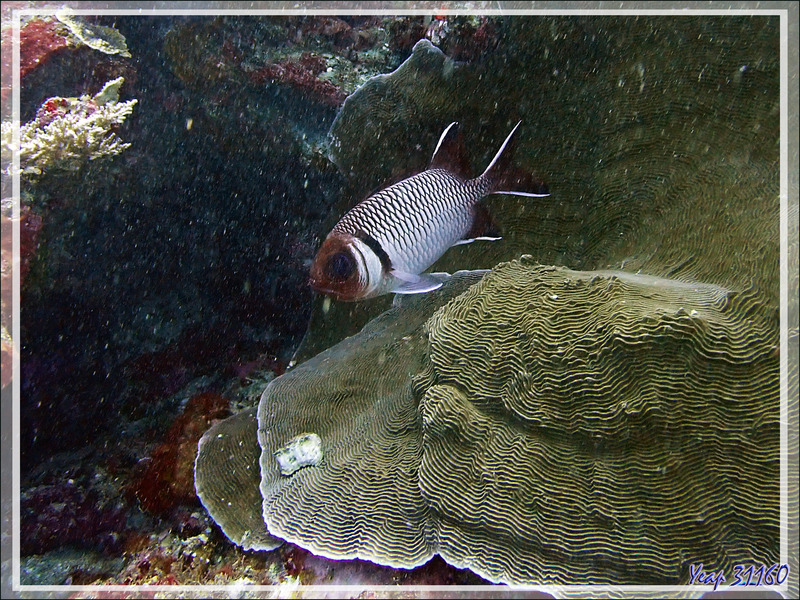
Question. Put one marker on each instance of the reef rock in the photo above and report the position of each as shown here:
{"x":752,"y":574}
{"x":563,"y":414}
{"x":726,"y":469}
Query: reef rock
{"x":543,"y":426}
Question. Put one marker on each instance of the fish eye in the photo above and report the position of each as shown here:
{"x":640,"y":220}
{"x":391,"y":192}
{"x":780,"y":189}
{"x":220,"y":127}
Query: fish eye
{"x":340,"y":266}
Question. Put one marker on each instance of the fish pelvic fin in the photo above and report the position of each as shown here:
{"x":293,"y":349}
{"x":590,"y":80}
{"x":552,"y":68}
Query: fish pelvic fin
{"x":410,"y":283}
{"x":450,"y":153}
{"x":505,"y":178}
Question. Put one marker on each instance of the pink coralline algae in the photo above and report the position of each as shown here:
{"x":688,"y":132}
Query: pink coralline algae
{"x":168,"y":479}
{"x":301,"y":73}
{"x":38,"y":41}
{"x":63,"y":514}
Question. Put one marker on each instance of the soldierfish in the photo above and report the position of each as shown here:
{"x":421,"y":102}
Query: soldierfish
{"x":384,"y":243}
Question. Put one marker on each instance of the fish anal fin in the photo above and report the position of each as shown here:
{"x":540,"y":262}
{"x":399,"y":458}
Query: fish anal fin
{"x":403,"y":276}
{"x":415,"y":284}
{"x":483,"y":227}
{"x":450,"y":154}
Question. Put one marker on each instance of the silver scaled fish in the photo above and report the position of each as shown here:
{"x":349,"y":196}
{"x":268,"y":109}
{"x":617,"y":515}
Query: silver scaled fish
{"x":384,"y":243}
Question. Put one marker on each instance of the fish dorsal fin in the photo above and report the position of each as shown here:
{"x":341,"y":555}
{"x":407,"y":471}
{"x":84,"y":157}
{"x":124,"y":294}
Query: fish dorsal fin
{"x":450,"y":154}
{"x":483,"y":227}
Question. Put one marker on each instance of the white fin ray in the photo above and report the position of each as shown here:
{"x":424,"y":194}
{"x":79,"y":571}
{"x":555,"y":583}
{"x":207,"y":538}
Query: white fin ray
{"x":484,"y":238}
{"x":529,"y":194}
{"x":422,"y":283}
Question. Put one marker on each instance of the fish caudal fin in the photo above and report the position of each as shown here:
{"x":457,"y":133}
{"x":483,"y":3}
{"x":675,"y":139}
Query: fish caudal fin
{"x":505,"y":178}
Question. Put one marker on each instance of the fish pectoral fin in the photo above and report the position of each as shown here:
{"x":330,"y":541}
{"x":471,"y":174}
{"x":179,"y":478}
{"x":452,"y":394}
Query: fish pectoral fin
{"x":408,"y":283}
{"x":402,"y":275}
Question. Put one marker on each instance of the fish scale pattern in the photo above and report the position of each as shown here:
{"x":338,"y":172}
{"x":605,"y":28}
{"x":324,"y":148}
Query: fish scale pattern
{"x":599,"y":427}
{"x":568,"y":426}
{"x":417,"y":219}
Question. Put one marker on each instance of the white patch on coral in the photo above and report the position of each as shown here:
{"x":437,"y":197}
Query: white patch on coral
{"x":302,"y":451}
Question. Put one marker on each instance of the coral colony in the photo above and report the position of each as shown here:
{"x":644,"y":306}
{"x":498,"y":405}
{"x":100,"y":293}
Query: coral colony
{"x":67,"y":132}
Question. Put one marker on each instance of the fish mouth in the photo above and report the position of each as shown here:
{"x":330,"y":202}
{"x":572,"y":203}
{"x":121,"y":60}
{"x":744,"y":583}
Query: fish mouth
{"x":338,"y":294}
{"x":319,"y":287}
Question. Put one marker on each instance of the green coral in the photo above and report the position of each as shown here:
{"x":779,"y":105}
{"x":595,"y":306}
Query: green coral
{"x":103,"y":39}
{"x":572,"y":426}
{"x":68,"y":132}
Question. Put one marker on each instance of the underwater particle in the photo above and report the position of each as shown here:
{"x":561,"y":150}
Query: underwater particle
{"x":461,"y":423}
{"x":227,"y":479}
{"x":380,"y":108}
{"x":104,"y":39}
{"x":303,"y":451}
{"x":301,"y":73}
{"x":69,"y":513}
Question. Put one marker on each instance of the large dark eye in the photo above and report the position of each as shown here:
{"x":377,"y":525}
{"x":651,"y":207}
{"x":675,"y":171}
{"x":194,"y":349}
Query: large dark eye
{"x":340,"y":266}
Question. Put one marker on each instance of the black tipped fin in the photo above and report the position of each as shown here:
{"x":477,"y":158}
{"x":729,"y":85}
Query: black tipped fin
{"x":450,"y":154}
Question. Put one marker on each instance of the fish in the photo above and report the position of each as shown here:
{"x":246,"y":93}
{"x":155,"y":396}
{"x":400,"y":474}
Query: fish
{"x":386,"y":242}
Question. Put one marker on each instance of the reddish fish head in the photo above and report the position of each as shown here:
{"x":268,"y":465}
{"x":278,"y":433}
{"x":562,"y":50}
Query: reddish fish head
{"x":346,"y":268}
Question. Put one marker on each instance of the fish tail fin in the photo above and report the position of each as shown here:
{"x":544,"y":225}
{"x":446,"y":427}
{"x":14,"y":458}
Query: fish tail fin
{"x":505,"y":178}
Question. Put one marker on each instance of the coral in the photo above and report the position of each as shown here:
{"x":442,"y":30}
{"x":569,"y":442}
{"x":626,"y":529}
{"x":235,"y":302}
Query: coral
{"x":68,"y":132}
{"x":620,"y":116}
{"x":404,"y":32}
{"x":384,"y":103}
{"x":227,"y":479}
{"x":465,"y":38}
{"x":301,"y":73}
{"x":103,"y":39}
{"x":545,"y":425}
{"x":168,"y":479}
{"x":581,"y":402}
{"x":42,"y":38}
{"x":644,"y":175}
